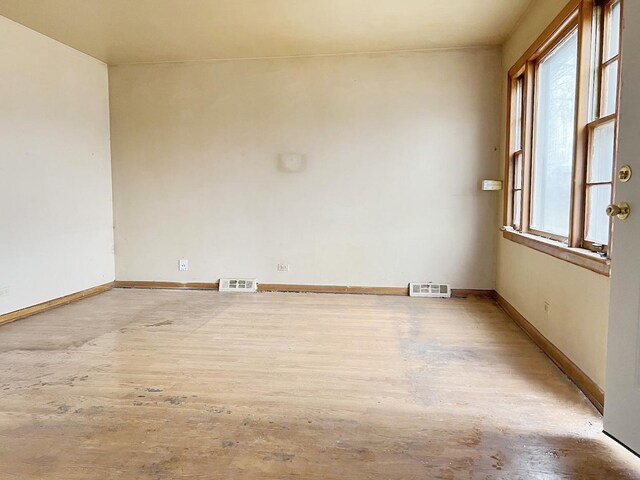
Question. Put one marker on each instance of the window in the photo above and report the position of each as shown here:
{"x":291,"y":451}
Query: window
{"x":554,"y":138}
{"x":563,"y":115}
{"x":603,"y":125}
{"x":517,"y":155}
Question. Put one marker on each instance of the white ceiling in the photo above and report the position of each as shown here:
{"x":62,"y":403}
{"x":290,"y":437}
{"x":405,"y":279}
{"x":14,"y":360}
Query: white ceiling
{"x":130,"y":31}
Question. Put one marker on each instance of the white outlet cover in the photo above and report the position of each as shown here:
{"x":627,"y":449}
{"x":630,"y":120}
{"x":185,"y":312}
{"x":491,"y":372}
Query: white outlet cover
{"x":183,"y":265}
{"x":283,"y":267}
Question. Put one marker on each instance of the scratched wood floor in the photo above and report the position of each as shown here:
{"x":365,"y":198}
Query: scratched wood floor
{"x":141,"y":384}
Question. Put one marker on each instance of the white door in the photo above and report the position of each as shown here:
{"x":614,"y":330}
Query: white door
{"x":622,"y":392}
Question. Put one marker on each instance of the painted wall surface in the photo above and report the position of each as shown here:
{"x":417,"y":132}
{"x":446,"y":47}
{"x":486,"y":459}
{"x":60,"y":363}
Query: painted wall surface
{"x":577,"y":317}
{"x":395,"y":145}
{"x":56,"y":222}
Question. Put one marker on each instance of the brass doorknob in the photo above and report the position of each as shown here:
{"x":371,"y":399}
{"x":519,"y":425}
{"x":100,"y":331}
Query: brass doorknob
{"x":621,"y":211}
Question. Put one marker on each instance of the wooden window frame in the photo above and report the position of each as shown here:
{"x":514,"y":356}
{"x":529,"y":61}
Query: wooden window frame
{"x":597,"y":107}
{"x":571,"y":26}
{"x":517,"y":156}
{"x":574,"y":248}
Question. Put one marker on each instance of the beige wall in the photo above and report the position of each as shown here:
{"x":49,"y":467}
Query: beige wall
{"x":396,"y":146}
{"x":576,"y":321}
{"x":55,"y":177}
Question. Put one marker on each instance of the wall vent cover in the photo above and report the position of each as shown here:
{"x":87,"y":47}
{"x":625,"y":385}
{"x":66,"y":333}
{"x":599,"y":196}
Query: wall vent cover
{"x":247,"y":285}
{"x":433,"y":290}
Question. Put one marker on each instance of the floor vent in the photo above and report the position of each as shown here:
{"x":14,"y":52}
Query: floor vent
{"x":247,"y":285}
{"x":433,"y":290}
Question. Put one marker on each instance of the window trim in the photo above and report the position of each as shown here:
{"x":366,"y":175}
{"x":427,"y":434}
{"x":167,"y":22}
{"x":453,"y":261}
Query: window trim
{"x":577,"y":256}
{"x":574,"y":249}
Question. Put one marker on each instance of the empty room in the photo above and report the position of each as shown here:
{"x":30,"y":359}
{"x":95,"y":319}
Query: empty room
{"x":319,"y":239}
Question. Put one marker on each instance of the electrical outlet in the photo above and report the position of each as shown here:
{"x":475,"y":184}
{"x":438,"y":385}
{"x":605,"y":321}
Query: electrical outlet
{"x":547,"y":307}
{"x":283,"y":267}
{"x":4,"y":291}
{"x":183,"y":265}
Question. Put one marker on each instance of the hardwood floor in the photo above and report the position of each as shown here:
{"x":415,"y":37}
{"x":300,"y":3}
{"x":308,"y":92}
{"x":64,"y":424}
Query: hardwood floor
{"x":138,"y":384}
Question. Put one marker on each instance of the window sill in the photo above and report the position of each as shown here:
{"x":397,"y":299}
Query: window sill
{"x":578,"y":256}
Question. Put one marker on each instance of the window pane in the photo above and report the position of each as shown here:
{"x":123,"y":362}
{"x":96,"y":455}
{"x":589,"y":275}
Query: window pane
{"x":613,"y":32}
{"x":598,"y":197}
{"x":554,"y":138}
{"x":517,"y":171}
{"x":594,"y":66}
{"x":601,"y":161}
{"x":517,"y":208}
{"x":610,"y":89}
{"x":518,"y":113}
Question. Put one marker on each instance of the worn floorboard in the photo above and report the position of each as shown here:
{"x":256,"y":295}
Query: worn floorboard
{"x":137,"y":384}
